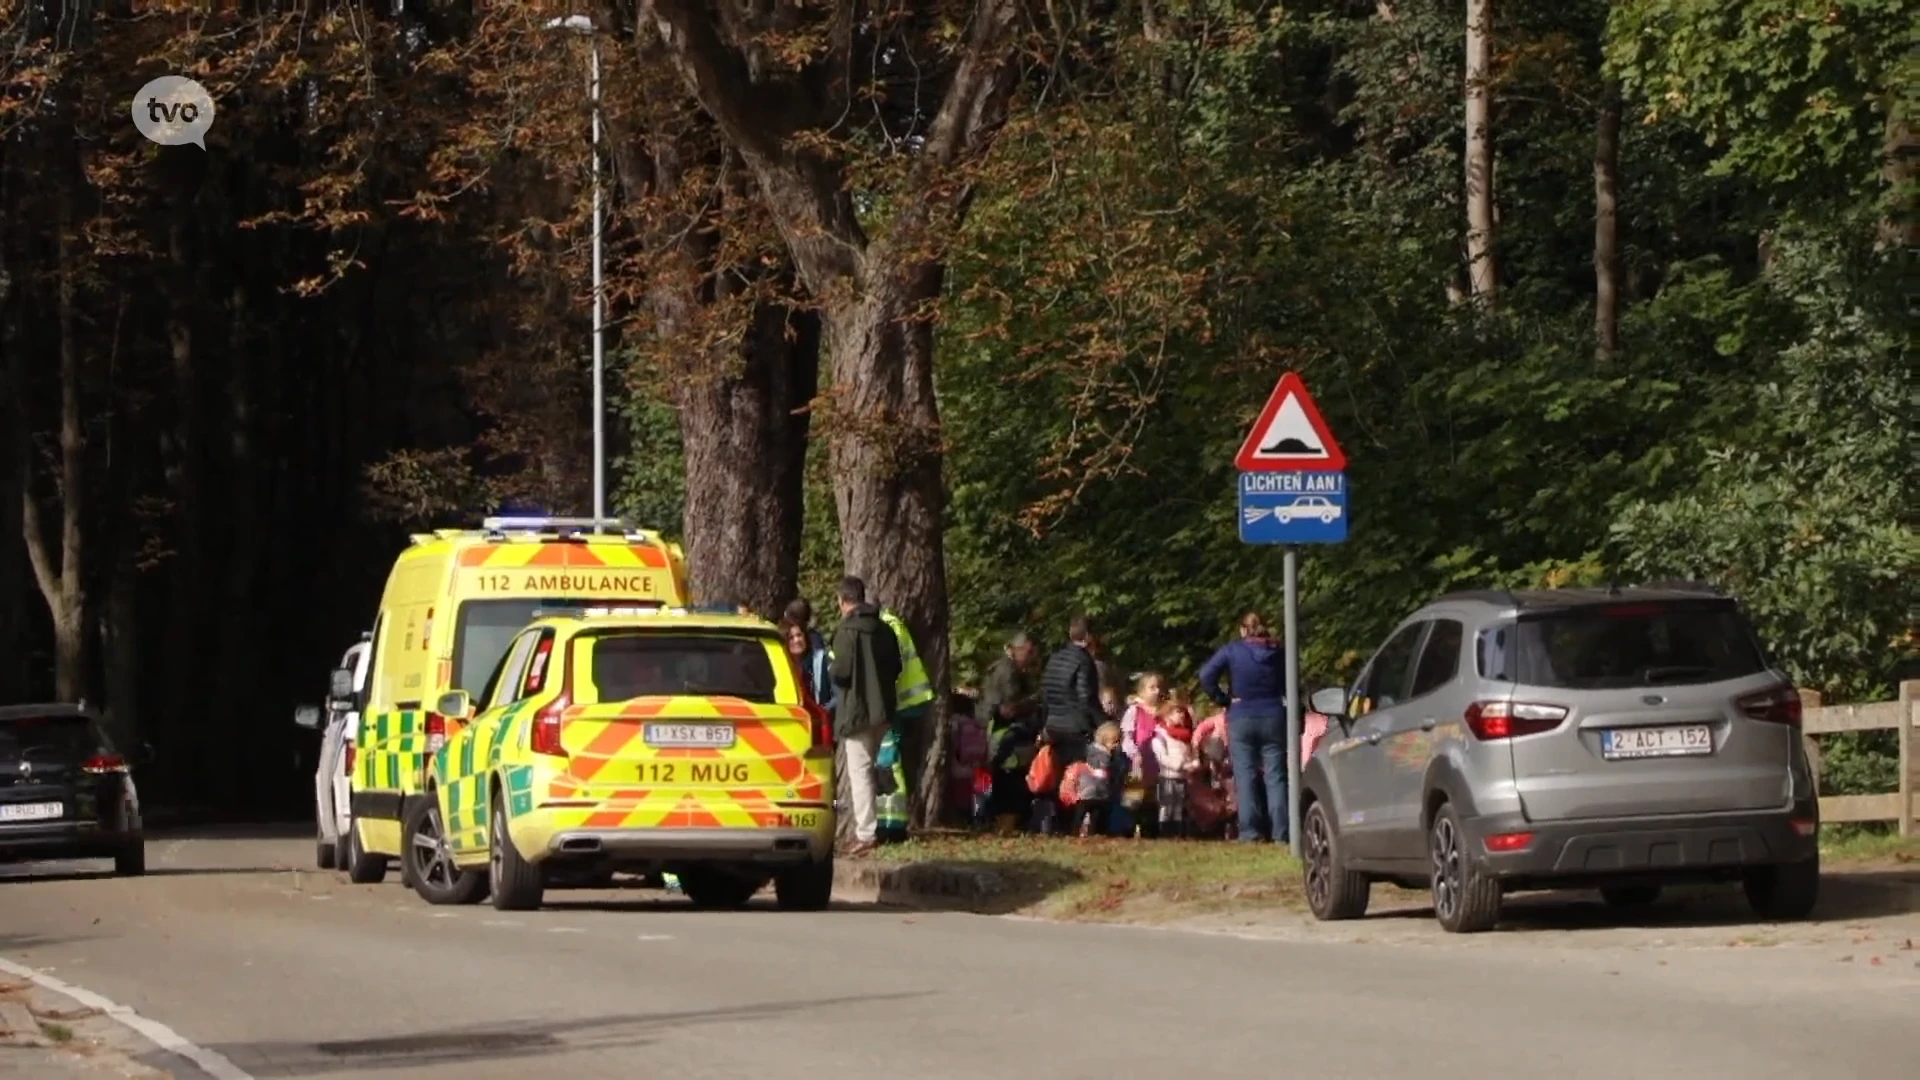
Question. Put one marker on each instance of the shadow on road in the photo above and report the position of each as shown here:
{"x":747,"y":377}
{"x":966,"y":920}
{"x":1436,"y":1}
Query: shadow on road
{"x":20,"y":942}
{"x":506,"y":1039}
{"x":271,"y":830}
{"x":65,"y":874}
{"x":658,"y":902}
{"x":1844,"y":897}
{"x":985,"y":887}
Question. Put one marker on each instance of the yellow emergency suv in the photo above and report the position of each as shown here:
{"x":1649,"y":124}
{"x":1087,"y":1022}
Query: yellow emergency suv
{"x":648,"y":741}
{"x":454,"y":601}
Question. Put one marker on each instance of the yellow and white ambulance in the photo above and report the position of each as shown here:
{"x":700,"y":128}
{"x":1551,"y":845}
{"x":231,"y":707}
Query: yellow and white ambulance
{"x":454,"y":602}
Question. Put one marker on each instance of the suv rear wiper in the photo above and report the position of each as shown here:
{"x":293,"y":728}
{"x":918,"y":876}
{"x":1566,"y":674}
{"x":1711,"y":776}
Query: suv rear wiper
{"x":1656,"y":674}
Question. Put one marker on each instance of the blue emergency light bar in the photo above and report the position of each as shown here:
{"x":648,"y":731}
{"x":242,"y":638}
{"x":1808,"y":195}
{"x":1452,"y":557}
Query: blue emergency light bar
{"x":554,"y":524}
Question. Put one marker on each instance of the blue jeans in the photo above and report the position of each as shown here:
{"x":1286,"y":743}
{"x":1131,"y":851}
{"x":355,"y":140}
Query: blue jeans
{"x":1257,"y":744}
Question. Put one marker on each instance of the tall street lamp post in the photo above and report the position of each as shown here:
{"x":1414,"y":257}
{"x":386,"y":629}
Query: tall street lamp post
{"x":581,"y":24}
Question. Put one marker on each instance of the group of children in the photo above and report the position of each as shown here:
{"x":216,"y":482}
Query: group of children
{"x":1155,"y":768}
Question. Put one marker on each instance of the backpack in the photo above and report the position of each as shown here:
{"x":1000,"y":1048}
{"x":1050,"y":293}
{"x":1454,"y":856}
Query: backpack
{"x":969,"y":744}
{"x":1041,"y":775}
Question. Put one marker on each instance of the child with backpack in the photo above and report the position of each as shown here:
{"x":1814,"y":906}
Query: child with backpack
{"x":1087,"y":787}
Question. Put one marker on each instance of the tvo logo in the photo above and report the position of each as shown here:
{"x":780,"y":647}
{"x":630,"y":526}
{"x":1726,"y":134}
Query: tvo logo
{"x":173,"y":110}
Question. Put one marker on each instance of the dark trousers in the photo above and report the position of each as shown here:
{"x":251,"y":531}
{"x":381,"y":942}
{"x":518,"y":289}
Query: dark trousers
{"x":1257,"y":744}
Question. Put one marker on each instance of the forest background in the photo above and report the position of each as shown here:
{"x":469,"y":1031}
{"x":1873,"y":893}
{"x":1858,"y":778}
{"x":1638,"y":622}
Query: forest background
{"x":974,"y":298}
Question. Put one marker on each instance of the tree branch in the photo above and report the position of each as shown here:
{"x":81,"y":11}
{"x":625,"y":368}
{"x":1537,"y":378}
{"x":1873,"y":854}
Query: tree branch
{"x":805,"y":192}
{"x":974,"y":108}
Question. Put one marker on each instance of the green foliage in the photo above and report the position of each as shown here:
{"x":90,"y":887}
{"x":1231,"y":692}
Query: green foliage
{"x":649,"y":482}
{"x":1792,"y":92}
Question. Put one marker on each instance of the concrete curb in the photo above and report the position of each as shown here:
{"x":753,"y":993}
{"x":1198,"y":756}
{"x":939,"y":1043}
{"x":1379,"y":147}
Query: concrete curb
{"x":923,"y":884}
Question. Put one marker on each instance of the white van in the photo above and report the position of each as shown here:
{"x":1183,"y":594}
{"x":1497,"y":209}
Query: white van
{"x":333,"y":778}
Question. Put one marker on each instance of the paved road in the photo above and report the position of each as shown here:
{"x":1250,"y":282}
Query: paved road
{"x":292,"y":973}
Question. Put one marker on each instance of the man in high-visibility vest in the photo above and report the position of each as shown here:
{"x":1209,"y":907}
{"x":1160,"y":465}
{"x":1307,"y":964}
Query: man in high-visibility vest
{"x":913,"y":695}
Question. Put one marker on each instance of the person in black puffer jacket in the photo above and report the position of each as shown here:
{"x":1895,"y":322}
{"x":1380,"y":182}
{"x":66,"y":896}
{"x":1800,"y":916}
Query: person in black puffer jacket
{"x":1070,"y":692}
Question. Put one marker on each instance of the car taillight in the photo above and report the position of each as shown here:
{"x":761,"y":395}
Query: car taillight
{"x":545,"y":737}
{"x":820,"y":729}
{"x":347,"y":759}
{"x":1508,"y":719}
{"x":436,"y":732}
{"x":101,"y":764}
{"x":1780,"y":705}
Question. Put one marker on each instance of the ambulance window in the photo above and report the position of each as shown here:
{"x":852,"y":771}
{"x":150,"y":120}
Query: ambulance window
{"x":506,"y":679}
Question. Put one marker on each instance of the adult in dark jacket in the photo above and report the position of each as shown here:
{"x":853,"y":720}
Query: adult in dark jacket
{"x":866,"y":664}
{"x":1070,"y":692}
{"x":1011,"y":708}
{"x":1256,"y":725}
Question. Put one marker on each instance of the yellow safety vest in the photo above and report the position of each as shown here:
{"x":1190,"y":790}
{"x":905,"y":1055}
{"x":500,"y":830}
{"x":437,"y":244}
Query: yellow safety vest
{"x":914,"y":688}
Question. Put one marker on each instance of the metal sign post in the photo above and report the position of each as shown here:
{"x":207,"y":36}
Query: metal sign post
{"x":1290,"y":624}
{"x":1293,"y":490}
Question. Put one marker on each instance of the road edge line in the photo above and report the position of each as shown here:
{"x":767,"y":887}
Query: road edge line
{"x":211,"y":1062}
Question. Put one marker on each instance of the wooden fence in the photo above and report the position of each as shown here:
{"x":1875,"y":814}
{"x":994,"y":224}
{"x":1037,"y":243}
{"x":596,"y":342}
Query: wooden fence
{"x":1903,"y":716}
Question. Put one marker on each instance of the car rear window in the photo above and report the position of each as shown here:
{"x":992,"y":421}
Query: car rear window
{"x":653,"y":664}
{"x":1635,"y":645}
{"x":484,"y":630}
{"x":49,"y":737}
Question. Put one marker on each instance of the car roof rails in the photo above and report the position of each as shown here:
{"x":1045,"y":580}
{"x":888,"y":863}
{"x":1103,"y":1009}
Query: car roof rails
{"x":1682,"y":585}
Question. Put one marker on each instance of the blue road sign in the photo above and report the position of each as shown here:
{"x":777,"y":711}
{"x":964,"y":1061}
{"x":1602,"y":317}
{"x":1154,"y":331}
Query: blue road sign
{"x":1293,"y":507}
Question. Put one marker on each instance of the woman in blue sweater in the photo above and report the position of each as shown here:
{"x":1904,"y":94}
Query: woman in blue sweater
{"x":1256,"y":725}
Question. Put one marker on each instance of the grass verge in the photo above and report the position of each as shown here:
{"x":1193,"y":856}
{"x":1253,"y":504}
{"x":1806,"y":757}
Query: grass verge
{"x":1868,"y":849}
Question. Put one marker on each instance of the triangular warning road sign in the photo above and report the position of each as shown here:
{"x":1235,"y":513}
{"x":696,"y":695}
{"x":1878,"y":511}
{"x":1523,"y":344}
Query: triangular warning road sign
{"x":1290,"y":434}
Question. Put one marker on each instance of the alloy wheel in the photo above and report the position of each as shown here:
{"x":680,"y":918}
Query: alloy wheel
{"x":1445,"y":848}
{"x":1319,"y":860}
{"x":432,"y":862}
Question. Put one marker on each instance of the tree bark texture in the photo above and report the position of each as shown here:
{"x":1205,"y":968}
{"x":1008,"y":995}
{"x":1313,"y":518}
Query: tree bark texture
{"x":874,"y":293}
{"x":743,"y":429}
{"x":1900,"y":225}
{"x":1606,"y":229}
{"x":741,"y":398}
{"x":1481,"y":271}
{"x":57,"y":565}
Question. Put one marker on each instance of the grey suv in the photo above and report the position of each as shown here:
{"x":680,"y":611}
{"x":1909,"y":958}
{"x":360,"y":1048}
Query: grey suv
{"x":1619,"y":739}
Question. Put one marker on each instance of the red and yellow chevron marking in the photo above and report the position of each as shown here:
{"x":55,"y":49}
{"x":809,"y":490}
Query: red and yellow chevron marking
{"x":613,"y":780}
{"x":514,"y":556}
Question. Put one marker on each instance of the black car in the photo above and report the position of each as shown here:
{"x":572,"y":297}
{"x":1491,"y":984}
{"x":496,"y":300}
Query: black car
{"x":65,"y":792}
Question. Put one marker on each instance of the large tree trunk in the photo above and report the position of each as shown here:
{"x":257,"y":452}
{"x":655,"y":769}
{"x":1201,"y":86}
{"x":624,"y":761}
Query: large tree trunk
{"x":57,"y":565}
{"x":744,"y":434}
{"x":875,"y":294}
{"x":887,"y":482}
{"x":1900,"y":225}
{"x":1606,"y":229}
{"x":182,"y":451}
{"x":1481,"y":271}
{"x":741,"y":396}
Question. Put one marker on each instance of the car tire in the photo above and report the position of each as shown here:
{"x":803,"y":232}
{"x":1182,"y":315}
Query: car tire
{"x":1784,"y":892}
{"x":131,"y":860}
{"x":362,"y":867}
{"x":1630,"y":896}
{"x":1333,"y":892}
{"x":1326,"y":519}
{"x":518,"y":885}
{"x":427,"y":865}
{"x":807,"y":887}
{"x":715,"y":890}
{"x":1465,"y":901}
{"x":1281,"y":517}
{"x":325,"y":853}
